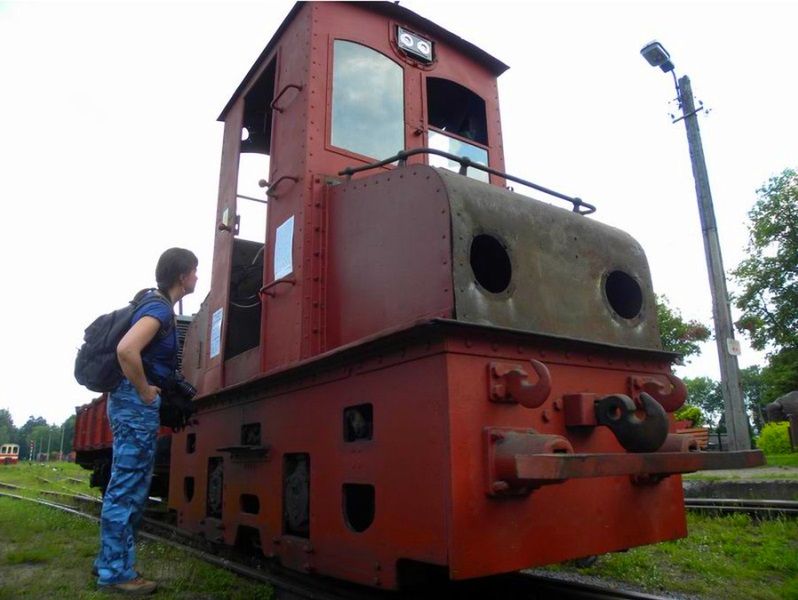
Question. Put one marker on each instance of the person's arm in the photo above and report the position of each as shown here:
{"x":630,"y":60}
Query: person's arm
{"x":129,"y":354}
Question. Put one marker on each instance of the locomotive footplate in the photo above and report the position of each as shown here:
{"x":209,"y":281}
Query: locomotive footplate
{"x":520,"y":461}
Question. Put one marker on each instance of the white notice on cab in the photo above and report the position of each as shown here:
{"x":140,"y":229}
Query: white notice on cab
{"x":283,"y":260}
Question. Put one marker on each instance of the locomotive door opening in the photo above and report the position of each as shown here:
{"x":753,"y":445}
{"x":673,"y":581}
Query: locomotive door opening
{"x":242,"y":341}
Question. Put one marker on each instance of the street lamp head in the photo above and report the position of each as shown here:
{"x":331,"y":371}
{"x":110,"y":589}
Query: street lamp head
{"x":657,"y":56}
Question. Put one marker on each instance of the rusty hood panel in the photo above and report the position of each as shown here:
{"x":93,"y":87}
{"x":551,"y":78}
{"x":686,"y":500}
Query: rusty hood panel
{"x":560,"y":262}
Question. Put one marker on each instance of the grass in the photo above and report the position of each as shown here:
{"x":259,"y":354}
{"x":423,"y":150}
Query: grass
{"x":782,"y":460}
{"x":733,"y":557}
{"x":786,"y":463}
{"x":48,"y":554}
{"x":52,"y":476}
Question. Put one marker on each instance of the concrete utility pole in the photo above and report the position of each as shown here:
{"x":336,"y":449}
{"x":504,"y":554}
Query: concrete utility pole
{"x":736,"y":418}
{"x":61,"y":448}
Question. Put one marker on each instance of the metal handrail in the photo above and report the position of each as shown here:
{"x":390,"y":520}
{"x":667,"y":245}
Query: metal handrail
{"x":579,"y":206}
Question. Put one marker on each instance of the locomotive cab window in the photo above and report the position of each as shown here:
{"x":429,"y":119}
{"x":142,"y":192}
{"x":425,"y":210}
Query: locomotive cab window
{"x":457,"y":125}
{"x":367,"y":101}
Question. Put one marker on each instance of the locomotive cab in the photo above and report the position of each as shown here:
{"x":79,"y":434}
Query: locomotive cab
{"x":340,"y":85}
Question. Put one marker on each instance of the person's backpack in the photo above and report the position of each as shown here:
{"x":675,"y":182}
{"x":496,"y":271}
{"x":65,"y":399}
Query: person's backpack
{"x":96,"y":365}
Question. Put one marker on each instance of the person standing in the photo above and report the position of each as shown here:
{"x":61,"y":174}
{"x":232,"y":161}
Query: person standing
{"x":148,"y":357}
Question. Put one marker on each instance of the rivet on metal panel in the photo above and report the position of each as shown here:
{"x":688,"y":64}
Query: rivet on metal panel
{"x":495,"y":436}
{"x":545,"y":416}
{"x":557,"y":404}
{"x":499,"y":486}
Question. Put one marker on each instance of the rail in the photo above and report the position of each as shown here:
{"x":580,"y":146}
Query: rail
{"x":579,"y":206}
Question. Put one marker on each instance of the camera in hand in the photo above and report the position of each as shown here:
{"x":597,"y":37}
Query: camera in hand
{"x":177,"y":407}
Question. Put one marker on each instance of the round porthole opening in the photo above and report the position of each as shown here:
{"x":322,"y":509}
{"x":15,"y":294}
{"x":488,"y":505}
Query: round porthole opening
{"x":490,"y":263}
{"x":624,"y":294}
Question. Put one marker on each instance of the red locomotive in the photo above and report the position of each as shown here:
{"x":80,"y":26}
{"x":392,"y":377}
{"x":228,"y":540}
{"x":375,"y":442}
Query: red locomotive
{"x":417,"y":370}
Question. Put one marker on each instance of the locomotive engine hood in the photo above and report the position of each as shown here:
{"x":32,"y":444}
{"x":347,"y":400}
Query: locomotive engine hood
{"x":421,"y":242}
{"x":550,"y":271}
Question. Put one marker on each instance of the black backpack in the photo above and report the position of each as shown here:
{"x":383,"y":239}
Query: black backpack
{"x":96,"y":365}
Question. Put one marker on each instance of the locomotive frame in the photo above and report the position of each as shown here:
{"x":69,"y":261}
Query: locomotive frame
{"x":438,"y":374}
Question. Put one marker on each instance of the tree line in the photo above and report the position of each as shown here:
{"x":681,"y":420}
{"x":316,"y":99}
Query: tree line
{"x":40,"y":433}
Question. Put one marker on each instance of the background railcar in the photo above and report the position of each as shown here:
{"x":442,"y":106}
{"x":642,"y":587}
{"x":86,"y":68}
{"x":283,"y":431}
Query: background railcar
{"x":9,"y":454}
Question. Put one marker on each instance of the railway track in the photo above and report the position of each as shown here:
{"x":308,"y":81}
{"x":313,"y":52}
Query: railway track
{"x":757,"y":508}
{"x":289,"y":585}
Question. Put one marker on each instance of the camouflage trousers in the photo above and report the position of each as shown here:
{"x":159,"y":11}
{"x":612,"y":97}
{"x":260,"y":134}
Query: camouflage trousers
{"x":135,"y":428}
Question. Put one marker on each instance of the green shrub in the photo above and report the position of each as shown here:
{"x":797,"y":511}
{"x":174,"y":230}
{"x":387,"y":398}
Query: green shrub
{"x":774,"y":438}
{"x":690,"y":413}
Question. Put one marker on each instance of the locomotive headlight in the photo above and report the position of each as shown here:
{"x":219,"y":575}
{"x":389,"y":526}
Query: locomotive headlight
{"x":414,"y":45}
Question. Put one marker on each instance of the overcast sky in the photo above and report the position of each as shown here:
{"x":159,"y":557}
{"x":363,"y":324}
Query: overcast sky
{"x":109,"y":147}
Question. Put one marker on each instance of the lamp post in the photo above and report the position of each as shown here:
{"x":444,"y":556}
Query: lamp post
{"x":728,"y":347}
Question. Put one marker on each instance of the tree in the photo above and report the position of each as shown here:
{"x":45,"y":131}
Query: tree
{"x":705,"y":393}
{"x":677,"y":334}
{"x":752,"y":382}
{"x":7,"y":429}
{"x":69,"y":433}
{"x":769,"y":276}
{"x":781,"y":374}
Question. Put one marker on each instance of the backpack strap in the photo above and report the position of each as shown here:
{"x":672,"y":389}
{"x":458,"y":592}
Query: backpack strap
{"x":141,"y":299}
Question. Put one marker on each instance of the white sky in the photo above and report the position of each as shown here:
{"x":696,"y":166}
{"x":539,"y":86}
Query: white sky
{"x":109,"y":147}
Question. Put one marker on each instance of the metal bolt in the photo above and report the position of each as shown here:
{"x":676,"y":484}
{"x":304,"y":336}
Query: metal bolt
{"x":499,"y":487}
{"x":545,"y":415}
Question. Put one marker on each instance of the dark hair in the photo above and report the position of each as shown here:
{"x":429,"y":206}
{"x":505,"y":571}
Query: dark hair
{"x":172,"y":264}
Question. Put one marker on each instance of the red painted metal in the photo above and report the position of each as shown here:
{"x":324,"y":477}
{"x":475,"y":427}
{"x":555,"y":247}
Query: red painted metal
{"x":428,"y":460}
{"x":370,"y":429}
{"x":509,"y":382}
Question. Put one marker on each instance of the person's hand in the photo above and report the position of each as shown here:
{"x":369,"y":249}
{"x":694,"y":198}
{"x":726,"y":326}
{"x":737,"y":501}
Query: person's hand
{"x":148,"y":395}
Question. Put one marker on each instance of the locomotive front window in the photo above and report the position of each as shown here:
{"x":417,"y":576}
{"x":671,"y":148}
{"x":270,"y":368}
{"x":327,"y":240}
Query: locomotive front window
{"x":367,"y":101}
{"x":456,"y":117}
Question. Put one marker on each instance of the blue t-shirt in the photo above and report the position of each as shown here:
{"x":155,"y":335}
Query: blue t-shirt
{"x":160,"y":355}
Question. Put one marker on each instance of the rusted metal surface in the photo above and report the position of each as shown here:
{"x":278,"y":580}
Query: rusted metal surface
{"x":423,"y":447}
{"x":509,"y":382}
{"x":549,"y":249}
{"x":671,"y":393}
{"x":560,"y":467}
{"x":639,"y":428}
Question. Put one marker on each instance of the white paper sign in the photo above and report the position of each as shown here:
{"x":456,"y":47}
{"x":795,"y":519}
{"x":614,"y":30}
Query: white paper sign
{"x":283,"y":259}
{"x":216,"y":333}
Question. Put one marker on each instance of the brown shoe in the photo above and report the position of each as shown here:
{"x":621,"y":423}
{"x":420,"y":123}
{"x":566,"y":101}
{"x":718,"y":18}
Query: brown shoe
{"x":135,"y":587}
